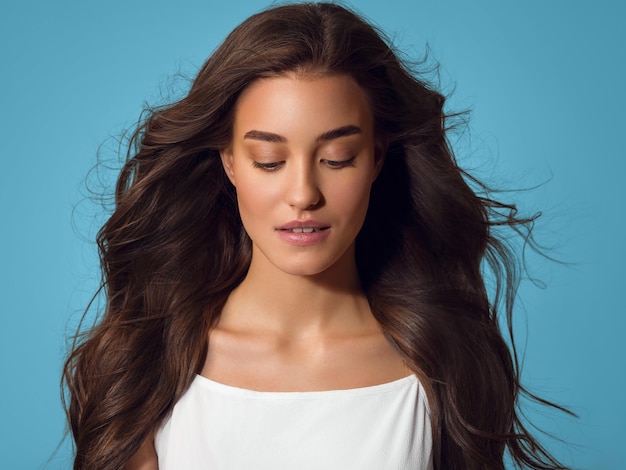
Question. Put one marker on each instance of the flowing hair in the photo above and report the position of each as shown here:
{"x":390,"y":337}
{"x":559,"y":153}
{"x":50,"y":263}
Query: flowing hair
{"x":174,"y":248}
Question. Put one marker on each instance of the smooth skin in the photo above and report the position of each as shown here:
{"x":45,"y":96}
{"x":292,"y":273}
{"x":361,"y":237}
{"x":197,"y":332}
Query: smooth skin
{"x":303,"y":149}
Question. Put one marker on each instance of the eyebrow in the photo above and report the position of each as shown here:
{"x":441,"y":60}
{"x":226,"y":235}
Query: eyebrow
{"x":343,"y":131}
{"x":264,"y":136}
{"x":339,"y":132}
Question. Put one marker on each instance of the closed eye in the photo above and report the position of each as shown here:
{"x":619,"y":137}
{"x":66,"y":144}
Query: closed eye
{"x":271,"y":166}
{"x":337,"y":164}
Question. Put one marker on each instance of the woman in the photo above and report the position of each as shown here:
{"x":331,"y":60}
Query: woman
{"x":293,"y":273}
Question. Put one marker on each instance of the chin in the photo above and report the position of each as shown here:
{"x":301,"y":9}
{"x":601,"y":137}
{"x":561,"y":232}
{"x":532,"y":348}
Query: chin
{"x":307,"y":262}
{"x":310,"y":264}
{"x":304,"y":269}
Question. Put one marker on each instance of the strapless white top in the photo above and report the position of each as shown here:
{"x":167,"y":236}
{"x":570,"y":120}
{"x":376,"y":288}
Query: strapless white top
{"x":220,"y":427}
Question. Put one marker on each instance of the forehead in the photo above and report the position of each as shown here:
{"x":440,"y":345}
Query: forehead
{"x":295,"y":104}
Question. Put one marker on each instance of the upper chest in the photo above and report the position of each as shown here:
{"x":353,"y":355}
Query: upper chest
{"x":266,"y":363}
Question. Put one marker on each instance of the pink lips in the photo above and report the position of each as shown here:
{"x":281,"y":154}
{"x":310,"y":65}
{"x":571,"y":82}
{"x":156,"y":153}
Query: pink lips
{"x":303,"y":232}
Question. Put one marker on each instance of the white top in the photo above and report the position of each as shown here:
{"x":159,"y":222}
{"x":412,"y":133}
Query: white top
{"x":220,"y":427}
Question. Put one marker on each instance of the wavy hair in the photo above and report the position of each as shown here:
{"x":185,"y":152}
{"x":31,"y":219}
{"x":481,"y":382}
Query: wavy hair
{"x":174,"y":248}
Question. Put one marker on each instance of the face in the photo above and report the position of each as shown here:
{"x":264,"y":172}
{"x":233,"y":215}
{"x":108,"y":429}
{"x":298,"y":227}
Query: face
{"x":303,"y":158}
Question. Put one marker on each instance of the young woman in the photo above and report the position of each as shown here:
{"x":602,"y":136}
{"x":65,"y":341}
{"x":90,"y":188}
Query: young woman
{"x":293,"y":273}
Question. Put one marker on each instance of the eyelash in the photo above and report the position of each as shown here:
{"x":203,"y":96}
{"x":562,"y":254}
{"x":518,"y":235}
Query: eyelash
{"x":273,"y":166}
{"x":334,"y":164}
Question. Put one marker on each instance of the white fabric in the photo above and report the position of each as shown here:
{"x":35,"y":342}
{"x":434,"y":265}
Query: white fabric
{"x":219,"y":427}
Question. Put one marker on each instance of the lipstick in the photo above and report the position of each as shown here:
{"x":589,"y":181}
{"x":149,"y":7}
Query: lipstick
{"x":303,"y":232}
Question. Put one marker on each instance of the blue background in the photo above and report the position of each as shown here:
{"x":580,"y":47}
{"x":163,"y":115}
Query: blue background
{"x":546,"y":82}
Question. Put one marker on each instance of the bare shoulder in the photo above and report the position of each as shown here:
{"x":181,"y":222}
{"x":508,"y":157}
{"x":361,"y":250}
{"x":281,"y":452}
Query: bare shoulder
{"x":145,"y":458}
{"x":369,"y":360}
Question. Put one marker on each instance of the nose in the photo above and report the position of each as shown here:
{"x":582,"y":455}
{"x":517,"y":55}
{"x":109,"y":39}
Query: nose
{"x":303,"y":191}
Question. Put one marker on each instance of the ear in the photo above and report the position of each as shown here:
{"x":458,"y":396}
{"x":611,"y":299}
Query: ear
{"x":227,"y":162}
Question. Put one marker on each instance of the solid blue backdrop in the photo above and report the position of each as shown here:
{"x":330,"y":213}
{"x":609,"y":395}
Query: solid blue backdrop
{"x":545,"y":81}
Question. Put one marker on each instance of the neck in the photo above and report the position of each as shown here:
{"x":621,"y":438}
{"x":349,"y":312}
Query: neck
{"x":275,"y":302}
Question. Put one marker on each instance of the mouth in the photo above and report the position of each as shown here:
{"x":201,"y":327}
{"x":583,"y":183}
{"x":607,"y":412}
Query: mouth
{"x":303,"y":229}
{"x":303,"y":226}
{"x":304,"y":232}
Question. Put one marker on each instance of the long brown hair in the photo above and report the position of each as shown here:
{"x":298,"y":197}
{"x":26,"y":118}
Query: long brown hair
{"x":174,"y":248}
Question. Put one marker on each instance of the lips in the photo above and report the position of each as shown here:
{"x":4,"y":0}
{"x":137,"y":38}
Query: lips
{"x":303,"y":232}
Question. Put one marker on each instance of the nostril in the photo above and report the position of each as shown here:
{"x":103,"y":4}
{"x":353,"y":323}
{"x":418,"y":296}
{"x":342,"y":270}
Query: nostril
{"x":304,"y":196}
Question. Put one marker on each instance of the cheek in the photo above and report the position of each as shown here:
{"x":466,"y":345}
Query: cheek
{"x":255,"y":198}
{"x":352,"y":199}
